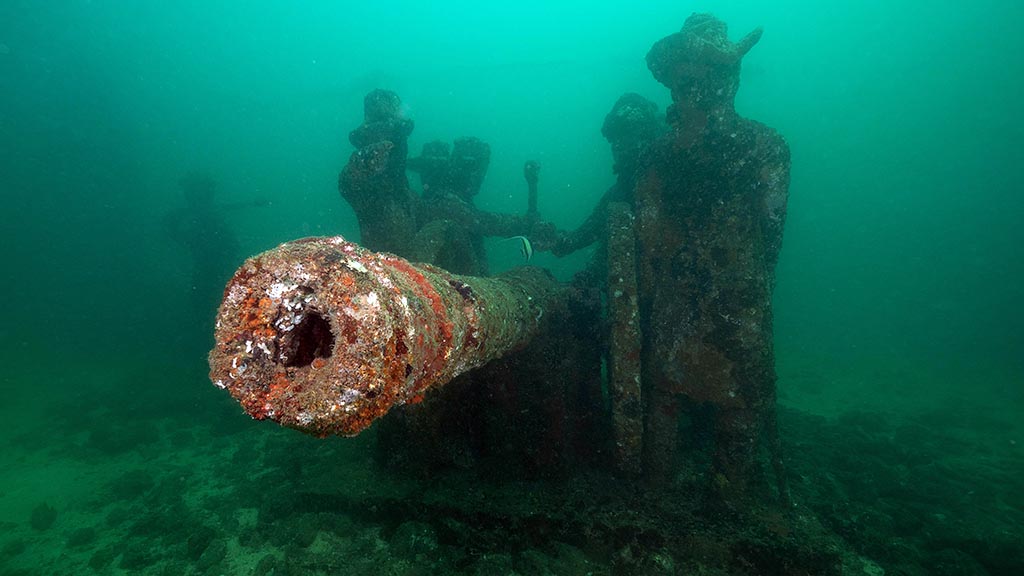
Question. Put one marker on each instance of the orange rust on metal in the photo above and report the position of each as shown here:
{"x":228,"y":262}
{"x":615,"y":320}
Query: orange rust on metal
{"x":324,"y":336}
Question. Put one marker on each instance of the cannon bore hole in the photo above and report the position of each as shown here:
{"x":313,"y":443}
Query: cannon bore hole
{"x":310,"y":339}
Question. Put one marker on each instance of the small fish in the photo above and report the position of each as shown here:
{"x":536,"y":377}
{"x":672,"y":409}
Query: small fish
{"x":526,"y":249}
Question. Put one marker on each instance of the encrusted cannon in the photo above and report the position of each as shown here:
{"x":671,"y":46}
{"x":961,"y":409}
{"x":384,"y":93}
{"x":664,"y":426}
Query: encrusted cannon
{"x":324,"y":336}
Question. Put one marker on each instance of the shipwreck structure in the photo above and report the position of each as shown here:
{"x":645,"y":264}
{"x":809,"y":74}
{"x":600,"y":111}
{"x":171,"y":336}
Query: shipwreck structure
{"x":326,"y":336}
{"x":657,"y":358}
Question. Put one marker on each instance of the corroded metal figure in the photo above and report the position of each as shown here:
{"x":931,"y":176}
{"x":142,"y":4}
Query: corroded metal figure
{"x":442,"y":225}
{"x":374,"y":181}
{"x":629,"y":127}
{"x":710,"y":203}
{"x":452,"y":229}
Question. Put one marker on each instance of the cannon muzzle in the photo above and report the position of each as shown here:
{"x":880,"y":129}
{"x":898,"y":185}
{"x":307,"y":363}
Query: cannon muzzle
{"x":324,"y":336}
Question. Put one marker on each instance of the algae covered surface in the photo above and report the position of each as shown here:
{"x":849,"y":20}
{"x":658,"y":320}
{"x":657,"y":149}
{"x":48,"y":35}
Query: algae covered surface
{"x":147,"y":149}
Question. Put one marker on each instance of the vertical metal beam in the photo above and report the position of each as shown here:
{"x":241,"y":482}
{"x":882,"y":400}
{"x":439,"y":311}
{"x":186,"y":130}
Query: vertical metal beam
{"x":625,"y":342}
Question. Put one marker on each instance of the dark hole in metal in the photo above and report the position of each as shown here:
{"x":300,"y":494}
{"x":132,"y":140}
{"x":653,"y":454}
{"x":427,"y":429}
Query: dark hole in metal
{"x":310,"y":339}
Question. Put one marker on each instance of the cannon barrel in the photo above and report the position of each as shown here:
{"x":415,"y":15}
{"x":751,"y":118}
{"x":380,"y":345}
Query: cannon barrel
{"x":324,"y":336}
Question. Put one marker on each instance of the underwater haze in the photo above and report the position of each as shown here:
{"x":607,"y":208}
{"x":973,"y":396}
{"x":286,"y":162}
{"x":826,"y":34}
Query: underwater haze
{"x":899,"y":330}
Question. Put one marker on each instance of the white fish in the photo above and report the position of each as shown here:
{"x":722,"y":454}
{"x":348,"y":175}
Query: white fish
{"x":526,"y":249}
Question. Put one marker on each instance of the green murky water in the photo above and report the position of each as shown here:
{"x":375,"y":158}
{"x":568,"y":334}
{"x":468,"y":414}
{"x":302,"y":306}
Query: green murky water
{"x":899,"y":331}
